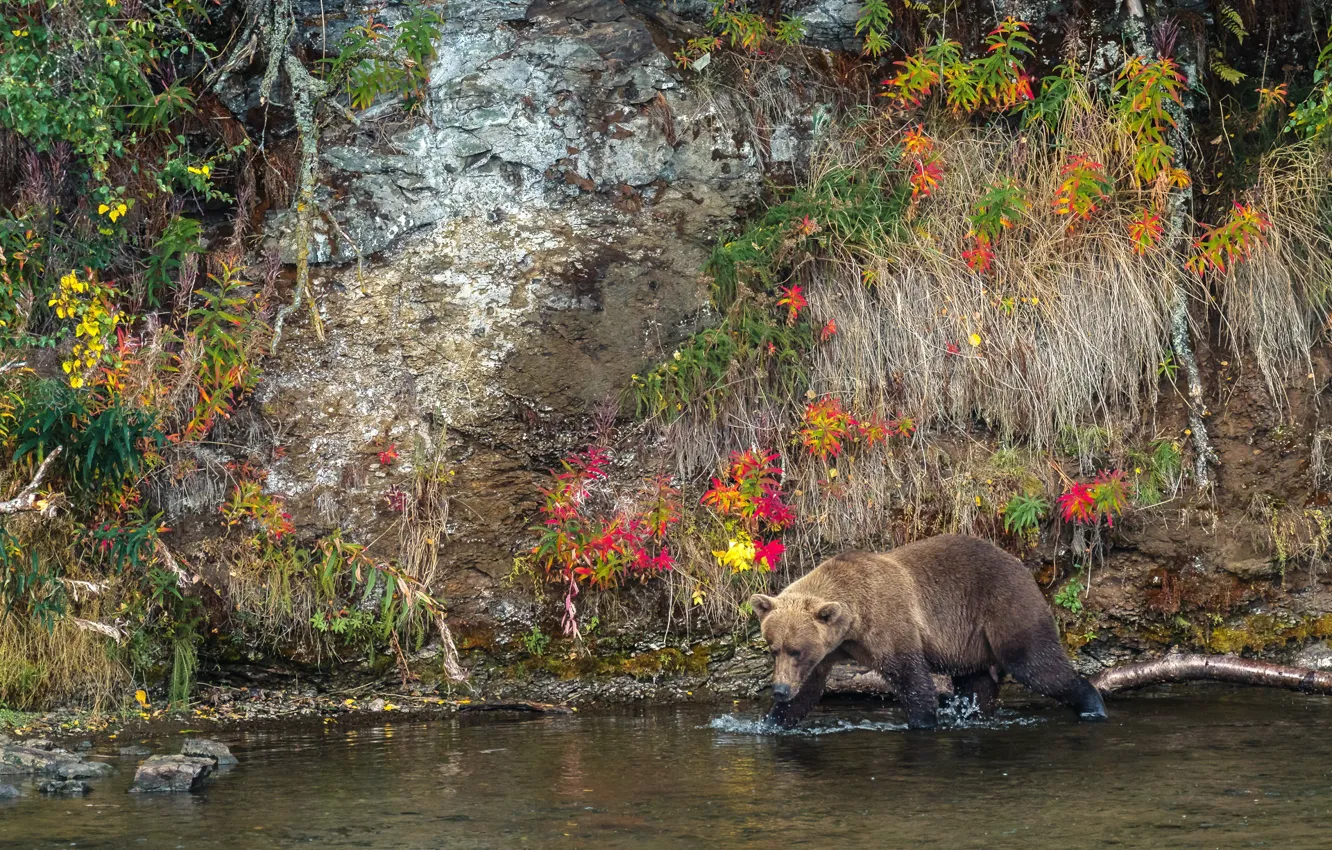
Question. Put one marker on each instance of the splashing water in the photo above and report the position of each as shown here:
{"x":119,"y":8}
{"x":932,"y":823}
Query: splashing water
{"x":956,"y":713}
{"x":749,"y":726}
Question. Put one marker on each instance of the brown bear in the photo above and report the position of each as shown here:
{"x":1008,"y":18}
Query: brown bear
{"x":949,"y":604}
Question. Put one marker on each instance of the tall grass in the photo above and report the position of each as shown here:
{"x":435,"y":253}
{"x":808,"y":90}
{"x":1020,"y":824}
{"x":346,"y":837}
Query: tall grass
{"x":64,"y":666}
{"x":1275,"y":305}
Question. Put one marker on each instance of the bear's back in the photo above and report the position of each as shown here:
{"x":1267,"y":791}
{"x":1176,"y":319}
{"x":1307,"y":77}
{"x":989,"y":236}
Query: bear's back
{"x":948,"y":577}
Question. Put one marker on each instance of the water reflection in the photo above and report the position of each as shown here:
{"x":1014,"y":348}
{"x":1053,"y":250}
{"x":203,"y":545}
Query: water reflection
{"x":1202,"y":767}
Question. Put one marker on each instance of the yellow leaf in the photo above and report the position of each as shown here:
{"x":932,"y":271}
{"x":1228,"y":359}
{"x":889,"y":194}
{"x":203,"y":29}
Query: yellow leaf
{"x":141,"y":697}
{"x":102,"y":209}
{"x":974,"y":339}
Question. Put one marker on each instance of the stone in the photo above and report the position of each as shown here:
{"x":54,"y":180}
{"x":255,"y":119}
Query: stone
{"x":9,"y":792}
{"x":1251,"y":568}
{"x":377,"y":704}
{"x":171,"y":774}
{"x":65,"y":787}
{"x":1316,"y":656}
{"x":75,"y":768}
{"x":20,"y":760}
{"x":136,"y":751}
{"x":204,"y":748}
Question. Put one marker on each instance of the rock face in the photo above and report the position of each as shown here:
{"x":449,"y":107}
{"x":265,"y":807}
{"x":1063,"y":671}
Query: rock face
{"x":171,"y":774}
{"x":543,"y":234}
{"x":204,"y":748}
{"x":18,"y":760}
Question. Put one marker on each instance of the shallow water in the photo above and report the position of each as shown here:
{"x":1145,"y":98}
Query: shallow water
{"x":1199,"y":767}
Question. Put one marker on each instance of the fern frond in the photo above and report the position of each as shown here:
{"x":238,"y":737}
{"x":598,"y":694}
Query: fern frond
{"x":1231,"y":20}
{"x":1223,"y":70}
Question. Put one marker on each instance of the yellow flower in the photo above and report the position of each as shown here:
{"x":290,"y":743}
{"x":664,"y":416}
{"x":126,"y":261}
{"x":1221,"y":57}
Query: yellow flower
{"x":739,"y":556}
{"x":20,"y":33}
{"x":974,"y":339}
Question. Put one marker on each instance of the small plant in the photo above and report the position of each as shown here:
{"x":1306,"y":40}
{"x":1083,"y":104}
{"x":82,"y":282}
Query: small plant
{"x":604,"y":546}
{"x":1227,"y":244}
{"x":1147,"y":90}
{"x":1312,"y":117}
{"x":1070,"y":595}
{"x":373,"y":60}
{"x":872,"y":25}
{"x":250,"y":503}
{"x":996,"y":81}
{"x":748,"y":500}
{"x":536,"y":642}
{"x":1100,"y":501}
{"x":1023,"y":513}
{"x":1085,"y":185}
{"x":1145,"y":231}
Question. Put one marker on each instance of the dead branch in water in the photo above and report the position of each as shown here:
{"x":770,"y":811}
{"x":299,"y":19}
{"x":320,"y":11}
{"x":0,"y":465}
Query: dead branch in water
{"x":1213,"y":668}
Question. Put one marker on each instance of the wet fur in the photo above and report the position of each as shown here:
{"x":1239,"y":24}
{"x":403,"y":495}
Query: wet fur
{"x":949,"y":604}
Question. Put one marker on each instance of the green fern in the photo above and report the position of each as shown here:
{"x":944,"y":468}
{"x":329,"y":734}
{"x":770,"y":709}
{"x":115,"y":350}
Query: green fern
{"x":1223,"y":70}
{"x":1231,"y":20}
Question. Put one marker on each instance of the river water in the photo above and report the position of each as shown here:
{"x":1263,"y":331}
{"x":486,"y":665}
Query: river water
{"x":1200,"y":767}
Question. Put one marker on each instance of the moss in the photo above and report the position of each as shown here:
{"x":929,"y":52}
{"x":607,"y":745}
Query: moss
{"x":566,"y":664}
{"x":1261,"y":632}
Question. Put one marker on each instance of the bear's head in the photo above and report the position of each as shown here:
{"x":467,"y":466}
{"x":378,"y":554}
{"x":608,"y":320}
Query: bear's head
{"x":801,"y":631}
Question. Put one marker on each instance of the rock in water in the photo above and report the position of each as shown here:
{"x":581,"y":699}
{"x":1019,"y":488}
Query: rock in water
{"x":137,"y":750}
{"x":64,"y":787}
{"x":174,"y":774}
{"x":204,"y":748}
{"x":8,"y":792}
{"x":26,"y":761}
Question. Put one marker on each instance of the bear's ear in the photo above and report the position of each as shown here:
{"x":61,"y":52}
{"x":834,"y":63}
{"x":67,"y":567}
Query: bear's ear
{"x":830,"y":613}
{"x":762,"y":605}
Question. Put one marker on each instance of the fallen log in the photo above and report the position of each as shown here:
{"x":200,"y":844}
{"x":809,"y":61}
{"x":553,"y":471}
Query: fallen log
{"x":1212,"y":668}
{"x":519,"y":705}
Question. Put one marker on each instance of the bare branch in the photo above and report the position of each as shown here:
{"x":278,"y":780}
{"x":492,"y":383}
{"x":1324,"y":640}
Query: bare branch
{"x":27,"y":499}
{"x":183,"y":579}
{"x":1224,"y":668}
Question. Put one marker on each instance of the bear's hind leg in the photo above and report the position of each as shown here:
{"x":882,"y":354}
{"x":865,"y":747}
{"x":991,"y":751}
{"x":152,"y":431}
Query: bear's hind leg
{"x":1040,"y":663}
{"x":979,"y":686}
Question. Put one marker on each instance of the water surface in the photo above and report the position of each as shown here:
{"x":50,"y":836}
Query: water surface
{"x":1201,"y":767}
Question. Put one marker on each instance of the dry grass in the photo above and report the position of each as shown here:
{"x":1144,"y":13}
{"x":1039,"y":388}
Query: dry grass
{"x":65,"y":666}
{"x":1275,"y":304}
{"x":1072,"y":326}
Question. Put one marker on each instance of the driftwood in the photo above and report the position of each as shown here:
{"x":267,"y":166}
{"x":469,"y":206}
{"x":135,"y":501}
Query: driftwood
{"x":1212,"y":668}
{"x":853,"y":679}
{"x":519,"y":705}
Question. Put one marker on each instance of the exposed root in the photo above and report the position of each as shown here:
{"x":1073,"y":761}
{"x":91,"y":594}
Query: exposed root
{"x":1212,"y":668}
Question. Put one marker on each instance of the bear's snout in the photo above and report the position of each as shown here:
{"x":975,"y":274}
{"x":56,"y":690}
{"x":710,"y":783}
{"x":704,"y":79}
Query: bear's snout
{"x":781,"y":692}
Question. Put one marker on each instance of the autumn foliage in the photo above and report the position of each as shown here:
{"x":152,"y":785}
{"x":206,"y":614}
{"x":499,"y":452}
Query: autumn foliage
{"x":603,"y":547}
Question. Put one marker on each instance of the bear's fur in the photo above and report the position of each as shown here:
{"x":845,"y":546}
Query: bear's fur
{"x":949,"y":604}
